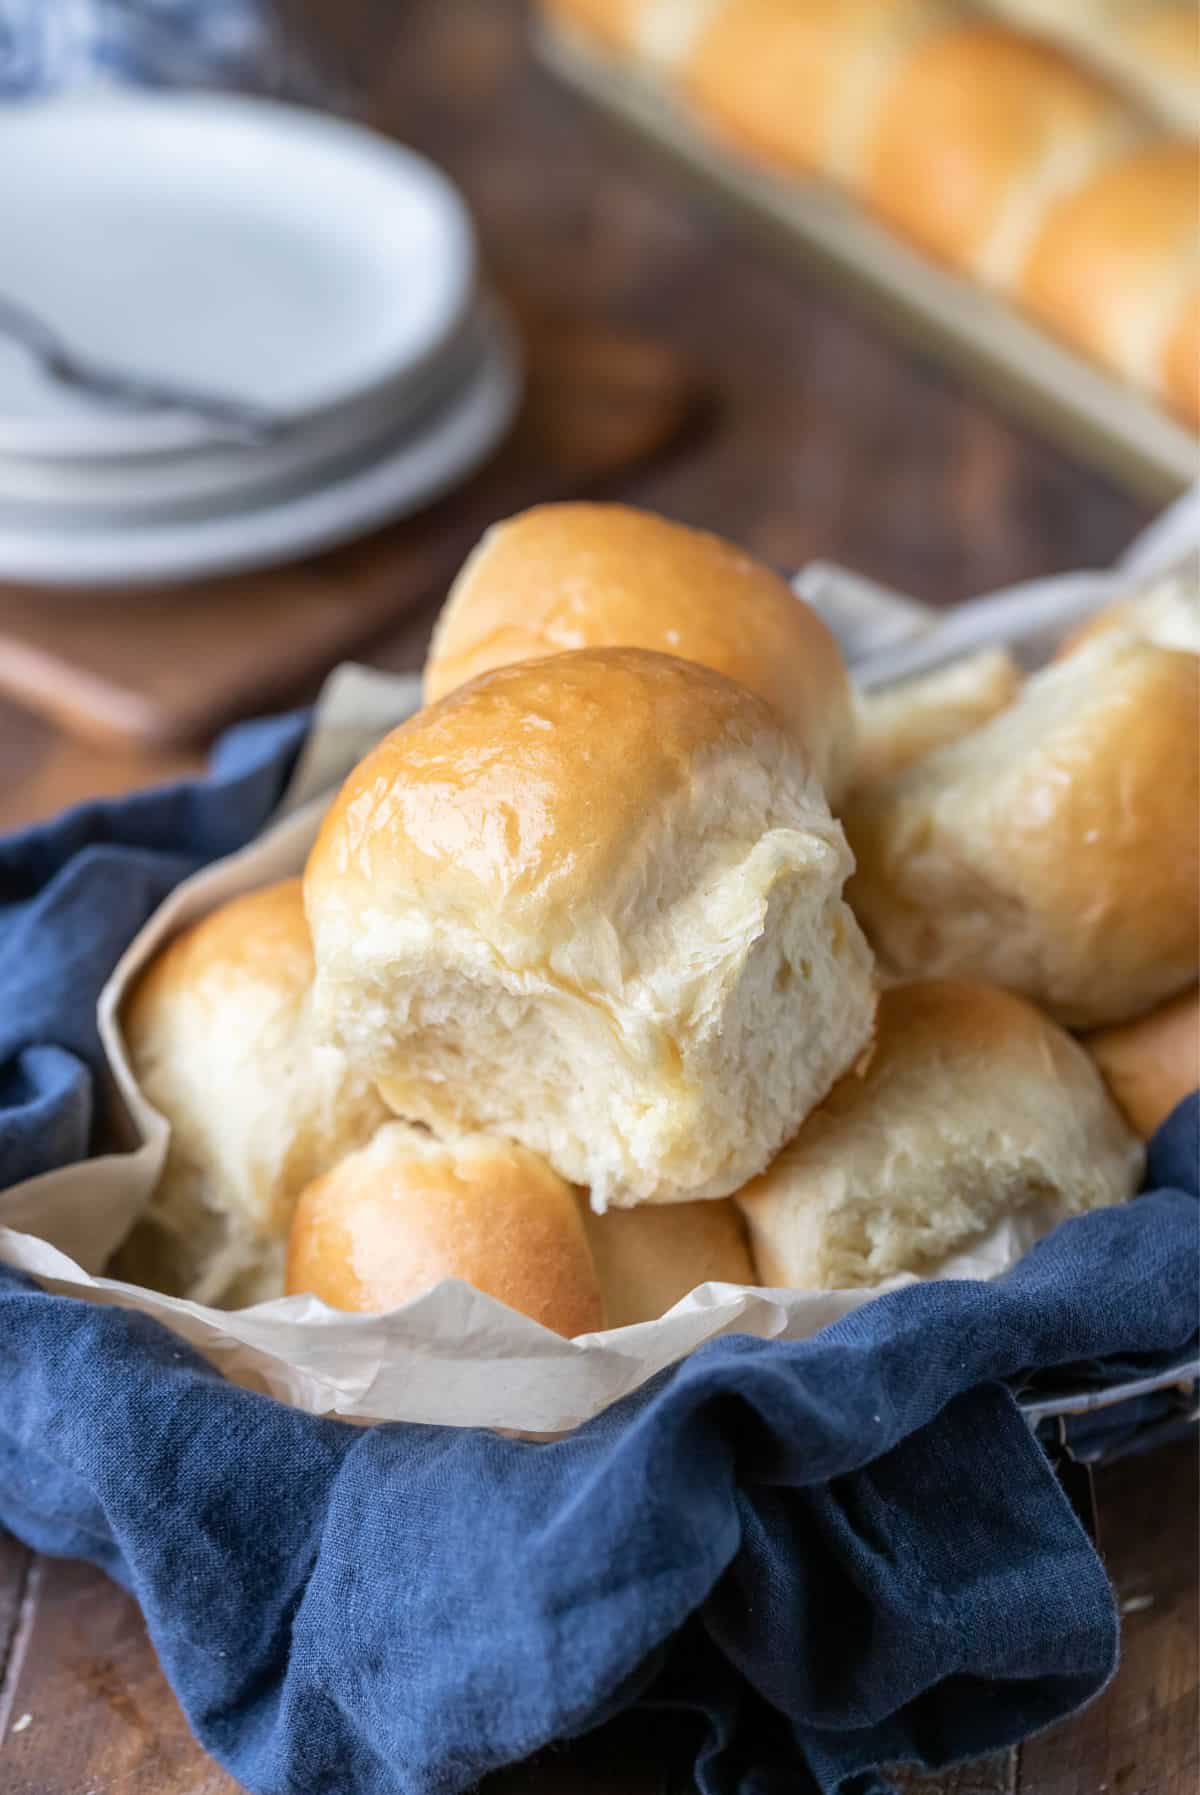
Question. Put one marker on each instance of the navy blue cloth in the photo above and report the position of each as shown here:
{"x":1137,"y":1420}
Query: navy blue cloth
{"x":838,"y":1553}
{"x":50,"y":45}
{"x":73,"y":893}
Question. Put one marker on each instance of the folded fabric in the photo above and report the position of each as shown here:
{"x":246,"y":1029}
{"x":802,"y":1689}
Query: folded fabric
{"x":47,"y":45}
{"x":840,"y":1553}
{"x":844,"y":1552}
{"x":73,"y":893}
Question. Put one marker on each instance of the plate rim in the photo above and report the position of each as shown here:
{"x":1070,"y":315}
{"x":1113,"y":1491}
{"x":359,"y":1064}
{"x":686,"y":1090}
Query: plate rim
{"x":149,"y":557}
{"x":111,"y":435}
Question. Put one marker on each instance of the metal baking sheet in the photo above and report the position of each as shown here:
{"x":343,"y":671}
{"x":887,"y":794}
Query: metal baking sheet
{"x":1096,"y":418}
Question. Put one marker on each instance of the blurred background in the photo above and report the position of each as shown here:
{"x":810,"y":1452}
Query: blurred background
{"x":904,"y":285}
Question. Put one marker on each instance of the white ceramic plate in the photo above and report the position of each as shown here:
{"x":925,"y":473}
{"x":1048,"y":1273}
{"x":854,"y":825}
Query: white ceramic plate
{"x":125,"y":489}
{"x":246,"y":247}
{"x":393,"y":483}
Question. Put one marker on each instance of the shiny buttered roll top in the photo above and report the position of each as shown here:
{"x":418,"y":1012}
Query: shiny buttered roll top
{"x":571,"y":576}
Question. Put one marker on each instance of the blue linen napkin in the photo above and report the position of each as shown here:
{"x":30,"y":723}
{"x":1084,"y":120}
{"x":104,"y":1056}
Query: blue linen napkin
{"x":840,"y":1552}
{"x":50,"y":45}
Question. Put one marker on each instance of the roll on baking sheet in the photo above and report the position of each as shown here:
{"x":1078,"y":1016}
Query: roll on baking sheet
{"x":1125,"y":411}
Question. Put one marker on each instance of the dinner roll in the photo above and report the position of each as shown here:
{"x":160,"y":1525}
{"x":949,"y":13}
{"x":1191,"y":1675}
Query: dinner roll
{"x":604,"y":576}
{"x":1115,"y":267}
{"x":406,"y":1211}
{"x":593,"y":903}
{"x":1152,"y":1064}
{"x":972,"y":1106}
{"x":611,"y":24}
{"x":653,"y":32}
{"x":649,"y":1258}
{"x":1054,"y":849}
{"x":978,"y":135}
{"x":799,"y":86}
{"x":899,"y":724}
{"x":1181,"y":361}
{"x":219,"y":1035}
{"x":1166,"y":612}
{"x":1152,"y":46}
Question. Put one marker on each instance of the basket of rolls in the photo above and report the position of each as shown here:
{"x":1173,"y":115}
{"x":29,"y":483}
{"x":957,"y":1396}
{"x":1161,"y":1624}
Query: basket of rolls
{"x":638,"y":981}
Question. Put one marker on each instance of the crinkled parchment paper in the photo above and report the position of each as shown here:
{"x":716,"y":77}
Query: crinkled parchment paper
{"x":452,"y":1355}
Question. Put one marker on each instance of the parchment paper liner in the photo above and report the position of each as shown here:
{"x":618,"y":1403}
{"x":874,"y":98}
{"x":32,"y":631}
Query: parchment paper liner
{"x":451,"y":1356}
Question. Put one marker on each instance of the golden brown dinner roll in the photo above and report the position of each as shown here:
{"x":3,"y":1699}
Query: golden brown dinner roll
{"x":605,"y":576}
{"x":1115,"y":266}
{"x":219,"y":1035}
{"x":406,"y":1211}
{"x":593,"y":903}
{"x":1167,"y":612}
{"x":800,"y":86}
{"x":899,"y":724}
{"x":1181,"y":362}
{"x":1152,"y":46}
{"x":978,"y":134}
{"x":972,"y":1106}
{"x":1158,"y":41}
{"x":610,"y":23}
{"x":654,"y":32}
{"x":1152,"y":1064}
{"x":651,"y":1257}
{"x":1054,"y":849}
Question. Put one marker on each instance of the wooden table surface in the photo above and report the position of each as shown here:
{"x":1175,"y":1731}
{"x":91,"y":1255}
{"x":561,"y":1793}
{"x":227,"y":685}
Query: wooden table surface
{"x":825,"y":440}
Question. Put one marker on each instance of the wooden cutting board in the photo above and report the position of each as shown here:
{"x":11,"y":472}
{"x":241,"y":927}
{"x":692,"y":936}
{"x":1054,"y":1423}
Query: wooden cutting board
{"x":161,"y":668}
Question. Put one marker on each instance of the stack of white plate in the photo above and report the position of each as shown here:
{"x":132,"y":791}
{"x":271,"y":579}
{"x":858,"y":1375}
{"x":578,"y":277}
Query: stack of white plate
{"x":247,"y":251}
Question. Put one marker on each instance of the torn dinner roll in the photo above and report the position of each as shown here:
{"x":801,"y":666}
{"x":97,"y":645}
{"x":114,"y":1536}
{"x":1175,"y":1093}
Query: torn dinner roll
{"x":972,"y":1107}
{"x":1053,"y":850}
{"x":574,"y":576}
{"x":220,"y":1039}
{"x":899,"y":724}
{"x":406,"y":1211}
{"x":594,"y":904}
{"x":1152,"y":1064}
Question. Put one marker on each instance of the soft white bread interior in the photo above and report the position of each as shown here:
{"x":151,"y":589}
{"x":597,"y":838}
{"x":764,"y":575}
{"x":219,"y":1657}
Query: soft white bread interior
{"x":1053,"y":850}
{"x":972,"y":1106}
{"x":606,"y":576}
{"x":1166,"y":612}
{"x":650,"y":1257}
{"x":594,"y":903}
{"x":1152,"y":1064}
{"x":396,"y":1217}
{"x":220,"y":1038}
{"x":899,"y":724}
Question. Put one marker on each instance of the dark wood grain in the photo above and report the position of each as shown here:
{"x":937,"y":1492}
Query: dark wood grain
{"x":89,"y":1709}
{"x":1143,"y":1736}
{"x":826,"y":441}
